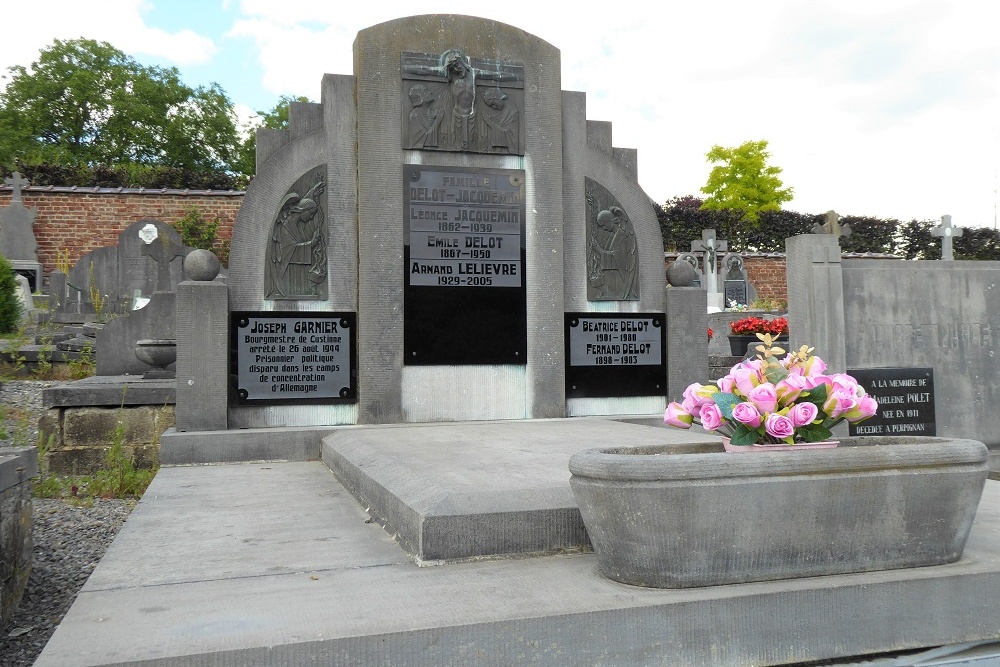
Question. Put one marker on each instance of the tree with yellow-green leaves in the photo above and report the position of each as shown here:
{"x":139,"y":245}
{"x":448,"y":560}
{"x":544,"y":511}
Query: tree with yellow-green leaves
{"x":742,"y":181}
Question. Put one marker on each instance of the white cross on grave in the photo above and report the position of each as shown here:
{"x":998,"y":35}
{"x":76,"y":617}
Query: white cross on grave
{"x":710,"y":246}
{"x":15,"y":181}
{"x":947,"y":233}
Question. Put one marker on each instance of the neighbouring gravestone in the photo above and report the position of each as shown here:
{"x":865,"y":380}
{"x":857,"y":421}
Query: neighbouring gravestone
{"x":149,"y":261}
{"x":410,"y":249}
{"x":832,"y":226}
{"x":710,"y":247}
{"x":17,"y":238}
{"x":23,"y":295}
{"x":736,"y":285}
{"x":904,"y":316}
{"x":119,"y":276}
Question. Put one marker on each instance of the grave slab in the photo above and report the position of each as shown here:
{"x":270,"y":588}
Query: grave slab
{"x":263,"y":564}
{"x":110,"y":390}
{"x":473,"y":489}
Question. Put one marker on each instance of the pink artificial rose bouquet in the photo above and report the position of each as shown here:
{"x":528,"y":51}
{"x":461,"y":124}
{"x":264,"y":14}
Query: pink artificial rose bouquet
{"x":767,"y":400}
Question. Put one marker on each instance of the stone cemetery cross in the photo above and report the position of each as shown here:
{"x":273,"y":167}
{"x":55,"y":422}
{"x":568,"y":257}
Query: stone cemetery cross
{"x":709,"y":245}
{"x":162,"y":250}
{"x":16,"y":182}
{"x":832,"y":226}
{"x":947,"y":233}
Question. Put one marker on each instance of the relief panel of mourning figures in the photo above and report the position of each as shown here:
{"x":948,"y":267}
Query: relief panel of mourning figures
{"x":296,"y":262}
{"x":612,"y":262}
{"x":452,"y":102}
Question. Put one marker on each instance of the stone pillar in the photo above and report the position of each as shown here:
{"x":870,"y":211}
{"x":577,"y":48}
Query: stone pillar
{"x":816,"y":297}
{"x":202,"y":353}
{"x":687,"y":339}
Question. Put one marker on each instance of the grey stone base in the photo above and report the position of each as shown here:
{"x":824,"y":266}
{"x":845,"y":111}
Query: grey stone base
{"x":240,"y":445}
{"x":275,"y":564}
{"x":81,"y":421}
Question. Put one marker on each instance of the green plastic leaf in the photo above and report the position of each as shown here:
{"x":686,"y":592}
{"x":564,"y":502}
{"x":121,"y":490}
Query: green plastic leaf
{"x":726,"y":401}
{"x":775,"y":373}
{"x":815,"y":433}
{"x":816,"y":396}
{"x":744,"y":435}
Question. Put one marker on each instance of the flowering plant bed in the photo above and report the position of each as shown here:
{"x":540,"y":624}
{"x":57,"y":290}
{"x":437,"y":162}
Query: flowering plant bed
{"x":767,"y":400}
{"x":749,"y":326}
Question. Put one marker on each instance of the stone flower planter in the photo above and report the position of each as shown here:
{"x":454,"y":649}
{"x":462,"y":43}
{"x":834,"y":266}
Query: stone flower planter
{"x":697,"y":516}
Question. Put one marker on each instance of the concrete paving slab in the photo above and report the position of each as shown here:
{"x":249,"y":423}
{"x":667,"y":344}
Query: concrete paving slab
{"x":469,"y":489}
{"x":274,"y":564}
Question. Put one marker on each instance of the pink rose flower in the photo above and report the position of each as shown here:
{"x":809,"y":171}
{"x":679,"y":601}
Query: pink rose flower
{"x":676,"y":416}
{"x":813,"y":367}
{"x":711,"y":417}
{"x":764,"y":397}
{"x":726,"y":384}
{"x":699,"y":394}
{"x":865,"y":408}
{"x":803,"y":413}
{"x":790,"y":388}
{"x":746,"y":413}
{"x":779,"y":426}
{"x":746,"y":379}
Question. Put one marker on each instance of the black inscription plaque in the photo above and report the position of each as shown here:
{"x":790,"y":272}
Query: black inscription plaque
{"x":736,"y":291}
{"x":905,"y":401}
{"x":615,"y":354}
{"x":293,"y":357}
{"x":465,"y":300}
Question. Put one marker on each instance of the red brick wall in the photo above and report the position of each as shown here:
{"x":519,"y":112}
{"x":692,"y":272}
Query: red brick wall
{"x":767,"y":275}
{"x":84,"y":220}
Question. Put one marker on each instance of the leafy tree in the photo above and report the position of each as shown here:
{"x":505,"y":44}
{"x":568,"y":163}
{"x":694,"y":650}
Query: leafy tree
{"x":85,"y":103}
{"x":275,"y":119}
{"x":744,"y":182}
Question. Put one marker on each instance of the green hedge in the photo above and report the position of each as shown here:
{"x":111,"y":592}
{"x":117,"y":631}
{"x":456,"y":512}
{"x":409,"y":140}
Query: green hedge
{"x":682,"y":221}
{"x":128,"y":176}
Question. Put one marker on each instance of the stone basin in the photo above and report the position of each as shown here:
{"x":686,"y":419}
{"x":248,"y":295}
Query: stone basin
{"x":698,"y":516}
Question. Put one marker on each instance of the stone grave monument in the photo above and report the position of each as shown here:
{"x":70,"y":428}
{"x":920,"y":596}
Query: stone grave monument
{"x":17,"y":238}
{"x":710,"y":247}
{"x":445,"y":236}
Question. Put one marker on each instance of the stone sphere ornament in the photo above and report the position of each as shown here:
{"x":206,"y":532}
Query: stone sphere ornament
{"x":681,"y":274}
{"x":201,"y":265}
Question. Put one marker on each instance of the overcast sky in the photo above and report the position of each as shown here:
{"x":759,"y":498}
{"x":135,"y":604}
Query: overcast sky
{"x":886,"y":108}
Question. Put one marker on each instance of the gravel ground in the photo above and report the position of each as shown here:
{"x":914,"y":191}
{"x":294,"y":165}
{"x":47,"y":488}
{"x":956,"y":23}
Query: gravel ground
{"x":70,"y":539}
{"x":69,"y":542}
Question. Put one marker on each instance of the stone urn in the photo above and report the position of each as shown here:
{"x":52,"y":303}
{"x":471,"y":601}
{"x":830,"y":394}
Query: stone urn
{"x":678,"y":517}
{"x":157,"y":353}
